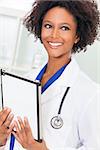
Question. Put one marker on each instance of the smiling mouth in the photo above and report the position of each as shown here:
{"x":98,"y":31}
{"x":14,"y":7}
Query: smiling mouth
{"x":55,"y":44}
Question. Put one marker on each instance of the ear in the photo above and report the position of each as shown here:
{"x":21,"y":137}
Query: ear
{"x":77,"y":39}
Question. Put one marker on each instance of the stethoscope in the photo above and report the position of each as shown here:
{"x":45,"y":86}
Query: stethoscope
{"x":57,"y":122}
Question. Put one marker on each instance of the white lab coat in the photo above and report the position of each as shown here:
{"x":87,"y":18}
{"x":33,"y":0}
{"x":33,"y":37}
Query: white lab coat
{"x":80,"y":111}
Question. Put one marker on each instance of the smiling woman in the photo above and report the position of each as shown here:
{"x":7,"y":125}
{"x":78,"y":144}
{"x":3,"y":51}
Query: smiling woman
{"x":70,"y":100}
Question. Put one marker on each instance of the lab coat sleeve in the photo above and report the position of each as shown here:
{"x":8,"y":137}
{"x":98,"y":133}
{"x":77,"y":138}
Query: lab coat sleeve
{"x":89,"y":124}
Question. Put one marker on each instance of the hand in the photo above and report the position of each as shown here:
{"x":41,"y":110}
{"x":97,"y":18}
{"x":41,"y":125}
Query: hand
{"x":24,"y":136}
{"x":5,"y":122}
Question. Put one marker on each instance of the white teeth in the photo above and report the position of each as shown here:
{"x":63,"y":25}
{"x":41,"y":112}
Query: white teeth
{"x":55,"y":44}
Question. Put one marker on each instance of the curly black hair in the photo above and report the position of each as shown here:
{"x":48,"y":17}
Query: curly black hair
{"x":85,"y":12}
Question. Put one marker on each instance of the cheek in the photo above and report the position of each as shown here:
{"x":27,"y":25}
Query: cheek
{"x":69,"y":38}
{"x":68,"y":42}
{"x":44,"y":34}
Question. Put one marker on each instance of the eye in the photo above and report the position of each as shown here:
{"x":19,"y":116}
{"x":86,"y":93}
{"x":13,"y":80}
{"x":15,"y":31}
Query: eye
{"x":65,"y":28}
{"x":48,"y":26}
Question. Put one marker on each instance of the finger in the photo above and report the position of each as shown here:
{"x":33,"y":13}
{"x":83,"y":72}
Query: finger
{"x":10,"y":128}
{"x":5,"y":110}
{"x":27,"y":127}
{"x":26,"y":123}
{"x":16,"y":126}
{"x":20,"y":131}
{"x":16,"y":136}
{"x":4,"y":114}
{"x":20,"y":123}
{"x":9,"y":120}
{"x":1,"y":110}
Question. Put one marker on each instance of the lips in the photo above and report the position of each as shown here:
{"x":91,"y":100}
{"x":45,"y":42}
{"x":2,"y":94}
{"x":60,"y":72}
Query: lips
{"x":55,"y":44}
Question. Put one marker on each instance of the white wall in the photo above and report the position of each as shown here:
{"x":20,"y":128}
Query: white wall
{"x":90,"y":61}
{"x":17,"y":4}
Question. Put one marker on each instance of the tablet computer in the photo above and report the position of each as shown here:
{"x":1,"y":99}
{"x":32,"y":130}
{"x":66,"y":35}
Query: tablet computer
{"x":23,"y":96}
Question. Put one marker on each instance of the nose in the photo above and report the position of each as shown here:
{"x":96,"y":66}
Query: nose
{"x":55,"y":33}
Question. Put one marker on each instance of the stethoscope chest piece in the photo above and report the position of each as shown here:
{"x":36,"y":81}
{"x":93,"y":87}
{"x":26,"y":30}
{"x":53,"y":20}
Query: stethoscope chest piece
{"x":56,"y":122}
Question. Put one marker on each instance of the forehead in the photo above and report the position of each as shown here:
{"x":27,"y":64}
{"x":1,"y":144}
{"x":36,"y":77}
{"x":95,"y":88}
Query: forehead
{"x":59,"y":15}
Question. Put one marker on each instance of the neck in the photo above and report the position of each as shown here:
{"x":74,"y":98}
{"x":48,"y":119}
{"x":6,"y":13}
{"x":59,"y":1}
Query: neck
{"x":55,"y":64}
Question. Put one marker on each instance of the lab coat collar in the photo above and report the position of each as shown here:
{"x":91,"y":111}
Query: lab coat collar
{"x":67,"y":79}
{"x":70,"y":74}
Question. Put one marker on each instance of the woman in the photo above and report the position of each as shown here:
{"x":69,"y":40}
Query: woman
{"x":70,"y":100}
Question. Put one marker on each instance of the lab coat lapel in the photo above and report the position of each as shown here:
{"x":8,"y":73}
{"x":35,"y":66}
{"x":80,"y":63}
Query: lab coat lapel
{"x":67,"y":79}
